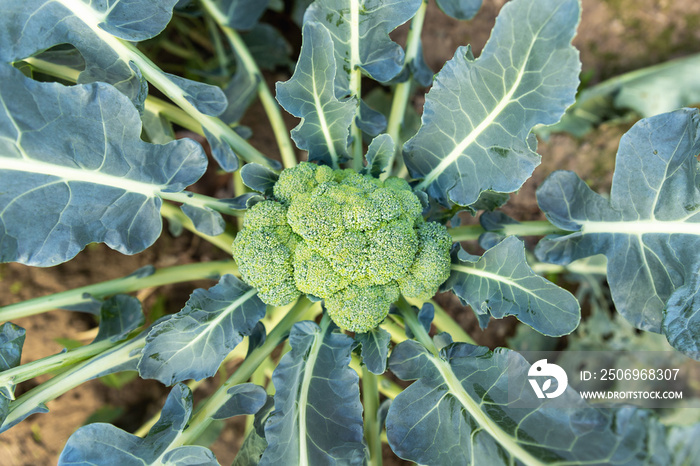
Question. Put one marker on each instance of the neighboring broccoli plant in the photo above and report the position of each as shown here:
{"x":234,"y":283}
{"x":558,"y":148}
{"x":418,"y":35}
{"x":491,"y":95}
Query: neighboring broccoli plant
{"x":352,"y":240}
{"x":341,"y":254}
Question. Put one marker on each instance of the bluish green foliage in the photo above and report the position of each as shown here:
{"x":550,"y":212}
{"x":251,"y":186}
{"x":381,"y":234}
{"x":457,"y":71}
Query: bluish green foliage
{"x":309,"y":95}
{"x":11,"y":341}
{"x":500,"y":283}
{"x":460,"y":9}
{"x":242,"y":14}
{"x":58,"y":161}
{"x":119,"y":316}
{"x":649,"y":228}
{"x":28,"y":27}
{"x":259,"y":178}
{"x":374,"y":349}
{"x":74,"y":170}
{"x":479,"y":113}
{"x":647,"y":92}
{"x":107,"y":445}
{"x":205,"y":219}
{"x":246,"y":398}
{"x":379,"y":153}
{"x":360,"y":31}
{"x":318,"y":414}
{"x":193,"y":343}
{"x":459,"y":410}
{"x":352,"y":240}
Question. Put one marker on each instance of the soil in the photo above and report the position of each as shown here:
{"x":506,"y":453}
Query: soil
{"x":615,"y":36}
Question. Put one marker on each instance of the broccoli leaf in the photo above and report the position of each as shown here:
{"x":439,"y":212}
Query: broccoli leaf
{"x":501,"y":283}
{"x":119,"y":316}
{"x":77,"y":163}
{"x":100,"y":443}
{"x":380,"y":152}
{"x":259,"y":178}
{"x":479,"y":113}
{"x":375,"y":349}
{"x":11,"y":341}
{"x":194,"y":342}
{"x":460,"y":9}
{"x":309,"y":95}
{"x":241,"y":14}
{"x":649,"y":229}
{"x":246,"y":398}
{"x":360,"y":31}
{"x":318,"y":414}
{"x":682,"y":441}
{"x":205,"y":219}
{"x":97,"y":29}
{"x":648,"y":92}
{"x":459,"y":412}
{"x":255,"y":444}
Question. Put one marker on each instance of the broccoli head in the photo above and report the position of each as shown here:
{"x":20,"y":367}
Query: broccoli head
{"x":354,"y":241}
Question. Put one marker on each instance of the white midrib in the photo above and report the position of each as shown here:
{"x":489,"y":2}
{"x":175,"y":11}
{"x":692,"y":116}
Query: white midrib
{"x":476,"y":132}
{"x":484,"y":421}
{"x":489,"y":276}
{"x":93,"y":18}
{"x":642,"y":227}
{"x":324,"y":124}
{"x":304,"y":397}
{"x":354,"y":41}
{"x":79,"y":174}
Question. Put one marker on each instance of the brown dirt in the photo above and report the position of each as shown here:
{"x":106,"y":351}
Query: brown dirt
{"x":615,"y":36}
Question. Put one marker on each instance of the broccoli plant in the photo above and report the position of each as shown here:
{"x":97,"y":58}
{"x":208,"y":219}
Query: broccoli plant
{"x":336,"y":258}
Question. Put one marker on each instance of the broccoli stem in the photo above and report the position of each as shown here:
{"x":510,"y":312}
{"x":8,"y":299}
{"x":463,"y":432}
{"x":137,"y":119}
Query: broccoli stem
{"x":268,"y":101}
{"x":85,"y":294}
{"x":402,"y":91}
{"x":37,"y":397}
{"x":12,"y":377}
{"x":531,"y":228}
{"x":370,"y":399}
{"x":410,"y":319}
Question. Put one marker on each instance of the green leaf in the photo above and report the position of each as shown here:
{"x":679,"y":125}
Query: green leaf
{"x":375,"y":349}
{"x":246,"y":398}
{"x":77,"y":166}
{"x":193,"y":343}
{"x":97,"y":30}
{"x":119,"y":316}
{"x":205,"y":219}
{"x":647,"y":91}
{"x":360,"y":31}
{"x":501,"y":283}
{"x":479,"y":113}
{"x":255,"y":444}
{"x":259,"y":178}
{"x":11,"y":342}
{"x":318,"y":414}
{"x":649,"y":229}
{"x":379,"y":154}
{"x":241,"y":14}
{"x":309,"y":95}
{"x":459,"y":412}
{"x":105,"y":444}
{"x":460,"y":9}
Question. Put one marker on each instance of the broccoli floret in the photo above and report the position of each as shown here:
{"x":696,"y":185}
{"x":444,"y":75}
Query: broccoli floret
{"x":350,"y":239}
{"x":432,"y":264}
